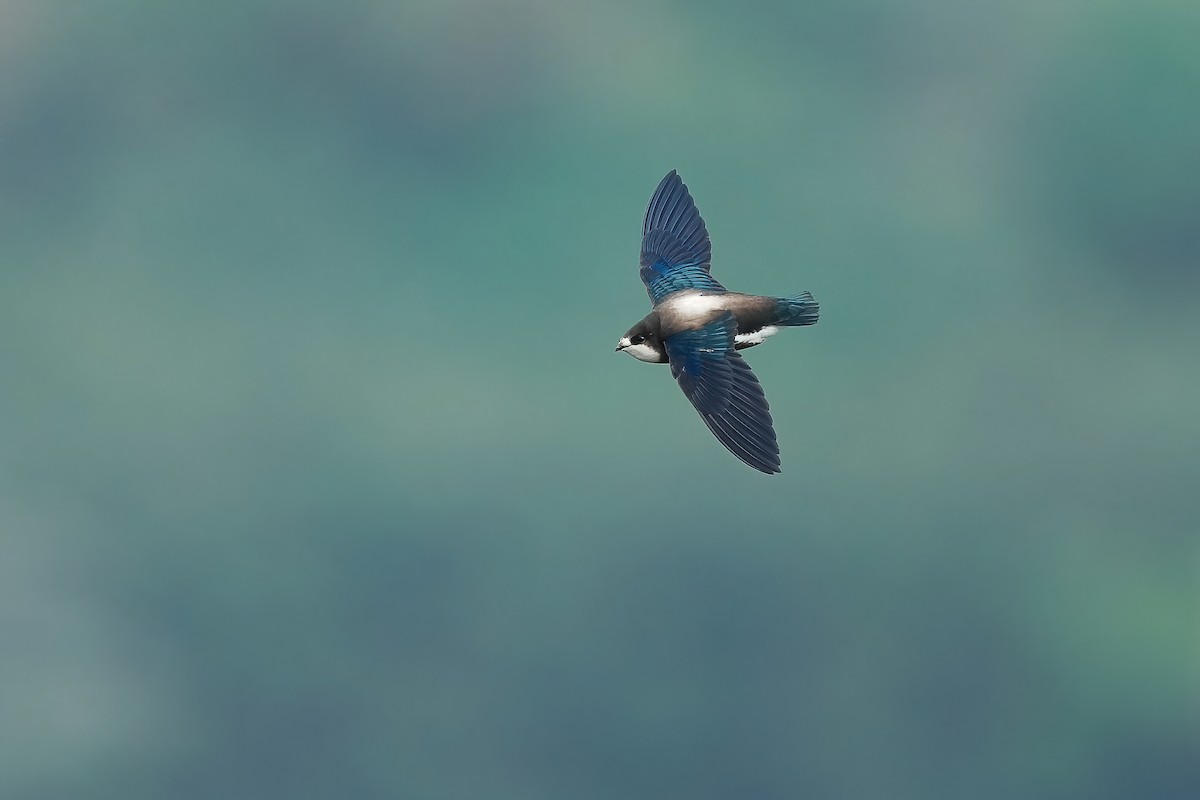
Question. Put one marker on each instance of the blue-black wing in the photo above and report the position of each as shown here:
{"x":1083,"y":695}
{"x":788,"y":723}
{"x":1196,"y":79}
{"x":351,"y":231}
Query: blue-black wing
{"x":675,"y":248}
{"x":725,"y":392}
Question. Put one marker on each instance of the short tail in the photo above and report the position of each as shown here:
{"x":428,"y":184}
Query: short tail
{"x":800,"y":309}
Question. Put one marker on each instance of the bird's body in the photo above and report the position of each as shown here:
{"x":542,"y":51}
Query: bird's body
{"x":758,"y":318}
{"x":697,"y":326}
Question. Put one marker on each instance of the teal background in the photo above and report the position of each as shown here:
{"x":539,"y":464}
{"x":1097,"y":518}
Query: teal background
{"x":319,"y":476}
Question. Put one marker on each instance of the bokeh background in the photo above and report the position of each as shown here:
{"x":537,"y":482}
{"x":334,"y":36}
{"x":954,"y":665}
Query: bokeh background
{"x":319,"y":477}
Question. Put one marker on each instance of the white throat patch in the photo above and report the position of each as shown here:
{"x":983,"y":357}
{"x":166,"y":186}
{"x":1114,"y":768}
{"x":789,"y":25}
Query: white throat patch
{"x":642,"y":352}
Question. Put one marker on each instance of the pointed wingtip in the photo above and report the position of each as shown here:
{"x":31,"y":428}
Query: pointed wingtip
{"x":766,"y":468}
{"x":670,"y":178}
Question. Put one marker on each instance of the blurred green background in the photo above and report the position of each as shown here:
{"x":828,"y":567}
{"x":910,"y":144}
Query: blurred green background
{"x":319,"y":477}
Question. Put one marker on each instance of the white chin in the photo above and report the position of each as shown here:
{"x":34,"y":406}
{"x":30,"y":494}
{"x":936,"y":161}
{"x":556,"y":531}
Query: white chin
{"x":642,"y":352}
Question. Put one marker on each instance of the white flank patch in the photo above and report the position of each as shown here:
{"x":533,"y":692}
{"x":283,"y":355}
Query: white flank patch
{"x":757,"y":337}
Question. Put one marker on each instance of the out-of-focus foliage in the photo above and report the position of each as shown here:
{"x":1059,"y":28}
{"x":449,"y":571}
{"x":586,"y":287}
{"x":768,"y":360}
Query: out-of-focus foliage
{"x":319,"y":477}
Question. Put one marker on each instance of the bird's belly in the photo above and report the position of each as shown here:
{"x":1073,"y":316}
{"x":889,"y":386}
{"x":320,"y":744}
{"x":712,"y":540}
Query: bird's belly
{"x":696,"y":304}
{"x":688,"y":310}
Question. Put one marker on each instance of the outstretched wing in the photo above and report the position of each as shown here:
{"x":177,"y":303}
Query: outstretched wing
{"x":675,"y":246}
{"x":725,"y":392}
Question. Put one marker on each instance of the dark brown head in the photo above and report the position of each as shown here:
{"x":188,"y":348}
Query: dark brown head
{"x":643,"y":343}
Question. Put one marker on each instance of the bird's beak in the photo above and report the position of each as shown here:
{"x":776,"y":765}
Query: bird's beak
{"x":621,"y":345}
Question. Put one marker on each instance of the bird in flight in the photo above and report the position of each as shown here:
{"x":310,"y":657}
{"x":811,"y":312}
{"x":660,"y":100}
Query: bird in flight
{"x":698,"y":326}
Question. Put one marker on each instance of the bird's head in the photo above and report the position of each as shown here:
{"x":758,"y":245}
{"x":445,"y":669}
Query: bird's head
{"x":643,"y":344}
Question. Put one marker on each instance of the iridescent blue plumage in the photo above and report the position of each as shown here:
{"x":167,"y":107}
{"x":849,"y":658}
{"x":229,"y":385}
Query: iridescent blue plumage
{"x":724,"y":390}
{"x":797,"y":310}
{"x":675,"y":246}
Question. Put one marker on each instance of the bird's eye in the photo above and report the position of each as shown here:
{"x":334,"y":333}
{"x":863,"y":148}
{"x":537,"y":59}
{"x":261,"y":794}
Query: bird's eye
{"x":637,"y":339}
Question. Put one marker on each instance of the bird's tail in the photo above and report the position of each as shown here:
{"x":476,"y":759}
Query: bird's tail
{"x":800,"y":309}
